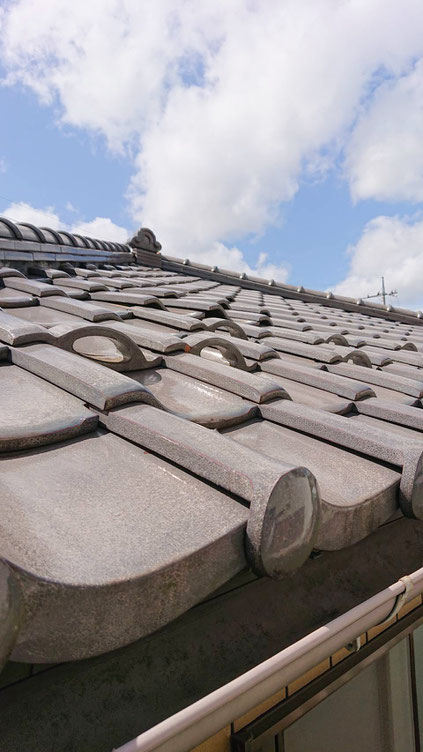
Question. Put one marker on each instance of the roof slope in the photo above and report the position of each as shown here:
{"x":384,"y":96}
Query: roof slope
{"x":161,"y":431}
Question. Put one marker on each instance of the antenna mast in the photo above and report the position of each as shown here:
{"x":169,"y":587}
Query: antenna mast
{"x":382,"y":293}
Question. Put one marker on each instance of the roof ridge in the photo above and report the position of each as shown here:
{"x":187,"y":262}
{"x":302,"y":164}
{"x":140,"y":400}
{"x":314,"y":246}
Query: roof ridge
{"x":144,"y":242}
{"x":297,"y":292}
{"x":21,"y":231}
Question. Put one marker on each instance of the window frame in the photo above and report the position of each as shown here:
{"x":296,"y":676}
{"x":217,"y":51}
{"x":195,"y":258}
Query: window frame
{"x":253,"y":737}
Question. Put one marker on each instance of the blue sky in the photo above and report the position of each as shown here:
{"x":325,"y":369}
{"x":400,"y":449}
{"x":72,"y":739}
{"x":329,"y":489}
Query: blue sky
{"x":283,"y":142}
{"x":49,"y":165}
{"x":319,"y":225}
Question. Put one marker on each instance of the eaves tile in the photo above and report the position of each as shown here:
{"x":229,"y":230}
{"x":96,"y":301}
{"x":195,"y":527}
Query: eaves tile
{"x":222,"y":399}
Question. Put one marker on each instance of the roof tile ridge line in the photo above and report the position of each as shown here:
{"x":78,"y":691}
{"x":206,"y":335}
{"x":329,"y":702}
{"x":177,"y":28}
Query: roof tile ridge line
{"x":291,"y":291}
{"x":14,"y":227}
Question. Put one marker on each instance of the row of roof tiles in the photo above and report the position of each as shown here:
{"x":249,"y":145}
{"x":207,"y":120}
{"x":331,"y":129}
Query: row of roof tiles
{"x":160,"y":432}
{"x":296,"y":290}
{"x":74,"y":242}
{"x":26,"y":231}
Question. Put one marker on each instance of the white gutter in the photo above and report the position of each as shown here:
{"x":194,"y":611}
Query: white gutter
{"x":192,"y":725}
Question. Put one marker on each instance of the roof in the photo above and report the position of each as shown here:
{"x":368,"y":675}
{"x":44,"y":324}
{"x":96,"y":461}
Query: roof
{"x":27,"y":238}
{"x":163,"y":426}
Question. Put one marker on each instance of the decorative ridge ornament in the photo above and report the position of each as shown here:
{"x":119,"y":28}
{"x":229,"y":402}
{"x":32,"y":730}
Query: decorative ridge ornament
{"x":145,"y":240}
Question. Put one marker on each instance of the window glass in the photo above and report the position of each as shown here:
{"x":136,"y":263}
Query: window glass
{"x":418,"y":658}
{"x":371,"y":713}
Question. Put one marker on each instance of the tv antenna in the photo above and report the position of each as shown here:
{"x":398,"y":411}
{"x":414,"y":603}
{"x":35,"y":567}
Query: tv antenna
{"x":382,"y":293}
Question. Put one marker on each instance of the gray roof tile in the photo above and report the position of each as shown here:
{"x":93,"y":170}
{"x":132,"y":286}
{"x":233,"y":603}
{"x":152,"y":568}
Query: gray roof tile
{"x":279,"y":539}
{"x":310,"y":395}
{"x":85,"y":502}
{"x":80,"y":284}
{"x":381,"y":378}
{"x":175,"y":321}
{"x":79,"y":308}
{"x":195,"y":400}
{"x":33,"y":412}
{"x":351,"y":389}
{"x":31,"y":286}
{"x":13,"y":299}
{"x":71,"y":292}
{"x":14,"y":331}
{"x":100,"y":387}
{"x":249,"y":349}
{"x":152,"y":340}
{"x":372,"y":488}
{"x":128,"y":298}
{"x":45,"y":316}
{"x":367,"y":440}
{"x":251,"y":359}
{"x":234,"y":380}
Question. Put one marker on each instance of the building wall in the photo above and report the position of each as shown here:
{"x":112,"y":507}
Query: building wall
{"x":221,"y":742}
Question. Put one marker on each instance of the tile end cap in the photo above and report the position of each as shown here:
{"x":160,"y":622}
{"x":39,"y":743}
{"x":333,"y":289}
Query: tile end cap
{"x":282,"y":527}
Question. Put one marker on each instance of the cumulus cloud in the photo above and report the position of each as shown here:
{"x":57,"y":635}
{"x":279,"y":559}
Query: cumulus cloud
{"x":104,"y":229}
{"x":232,"y":258}
{"x":392,"y":247}
{"x":385,"y":153}
{"x":100,"y":227}
{"x":23,"y":212}
{"x":224,"y":108}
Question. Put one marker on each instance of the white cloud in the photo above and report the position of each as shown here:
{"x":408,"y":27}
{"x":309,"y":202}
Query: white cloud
{"x":233,"y":259}
{"x":392,"y":247}
{"x":385,"y":155}
{"x":101,"y":227}
{"x":224,"y":107}
{"x":104,"y":229}
{"x":3,"y":165}
{"x":22,"y":212}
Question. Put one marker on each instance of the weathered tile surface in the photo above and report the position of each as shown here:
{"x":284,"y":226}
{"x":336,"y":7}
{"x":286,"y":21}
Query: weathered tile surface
{"x":34,"y":412}
{"x":98,"y":386}
{"x":111,"y":533}
{"x":111,"y":536}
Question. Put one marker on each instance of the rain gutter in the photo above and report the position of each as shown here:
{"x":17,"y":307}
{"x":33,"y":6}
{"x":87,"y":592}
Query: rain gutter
{"x":192,"y":725}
